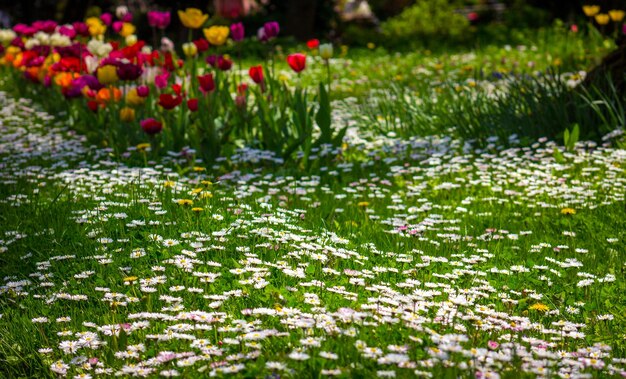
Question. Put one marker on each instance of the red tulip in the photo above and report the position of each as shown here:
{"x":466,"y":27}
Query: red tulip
{"x":192,"y":104}
{"x":151,"y":126}
{"x":206,"y":83}
{"x":256,"y":73}
{"x":201,"y":44}
{"x":313,"y":43}
{"x":92,"y":105}
{"x":297,"y":62}
{"x":224,"y":64}
{"x":169,"y":101}
{"x":242,"y":88}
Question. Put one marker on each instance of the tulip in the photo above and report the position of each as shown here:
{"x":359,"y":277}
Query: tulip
{"x":67,"y":31}
{"x":117,"y":26}
{"x":129,"y":71}
{"x":96,"y":26}
{"x":201,"y":44}
{"x":131,"y":40}
{"x":224,"y":63}
{"x":151,"y":126}
{"x":326,"y":51}
{"x":92,"y":105}
{"x":160,"y":81}
{"x":143,"y":91}
{"x":190,"y":49}
{"x":297,"y":62}
{"x":616,"y":15}
{"x":127,"y":114}
{"x":271,"y":29}
{"x":107,"y":94}
{"x":591,"y":10}
{"x":169,"y":101}
{"x":107,"y":74}
{"x":133,"y":97}
{"x":240,"y":101}
{"x":192,"y":104}
{"x":602,"y":18}
{"x":206,"y":83}
{"x":217,"y":35}
{"x":212,"y":60}
{"x":237,"y":32}
{"x":106,"y":18}
{"x":127,"y":29}
{"x":81,"y":28}
{"x":313,"y":43}
{"x":256,"y":73}
{"x":192,"y":18}
{"x":121,"y":11}
{"x":47,"y":26}
{"x":167,"y":44}
{"x":159,"y":20}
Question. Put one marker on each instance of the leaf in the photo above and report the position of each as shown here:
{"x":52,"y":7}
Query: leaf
{"x":323,"y":117}
{"x":574,"y":135}
{"x":558,"y":156}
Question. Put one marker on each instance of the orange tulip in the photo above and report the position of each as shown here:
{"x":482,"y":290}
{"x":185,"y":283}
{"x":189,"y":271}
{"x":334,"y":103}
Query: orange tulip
{"x":104,"y":95}
{"x":63,"y":79}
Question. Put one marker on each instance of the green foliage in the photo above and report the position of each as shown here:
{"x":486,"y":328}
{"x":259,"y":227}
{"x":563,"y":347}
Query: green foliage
{"x":529,"y":107}
{"x":425,"y":20}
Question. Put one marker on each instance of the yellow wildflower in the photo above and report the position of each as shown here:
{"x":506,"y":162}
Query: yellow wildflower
{"x":568,"y":211}
{"x":143,"y":146}
{"x":539,"y":307}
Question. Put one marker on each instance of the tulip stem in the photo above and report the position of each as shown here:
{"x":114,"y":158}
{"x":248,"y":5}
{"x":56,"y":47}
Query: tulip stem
{"x":328,"y":74}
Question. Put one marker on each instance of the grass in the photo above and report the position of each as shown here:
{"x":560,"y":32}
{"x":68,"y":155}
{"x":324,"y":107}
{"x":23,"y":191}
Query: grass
{"x":393,"y":255}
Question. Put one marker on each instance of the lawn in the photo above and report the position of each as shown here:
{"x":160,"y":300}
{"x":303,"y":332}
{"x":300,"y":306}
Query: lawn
{"x":420,"y":242}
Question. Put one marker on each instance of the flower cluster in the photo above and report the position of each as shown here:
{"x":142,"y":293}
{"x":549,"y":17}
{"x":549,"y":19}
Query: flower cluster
{"x":106,"y":70}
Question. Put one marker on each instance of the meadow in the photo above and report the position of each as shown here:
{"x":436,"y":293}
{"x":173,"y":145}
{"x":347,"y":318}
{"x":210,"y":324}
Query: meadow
{"x":375,"y":214}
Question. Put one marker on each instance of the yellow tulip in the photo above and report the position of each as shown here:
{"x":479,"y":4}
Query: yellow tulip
{"x":107,"y":74}
{"x":602,"y":18}
{"x":190,"y":49}
{"x":617,"y":15}
{"x":133,"y":98}
{"x":591,"y":10}
{"x":127,"y":29}
{"x":96,"y":26}
{"x":127,"y":114}
{"x":192,"y":18}
{"x":217,"y":35}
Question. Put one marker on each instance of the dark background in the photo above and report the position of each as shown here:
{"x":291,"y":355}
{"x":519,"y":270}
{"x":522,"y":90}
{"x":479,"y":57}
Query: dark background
{"x":299,"y":18}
